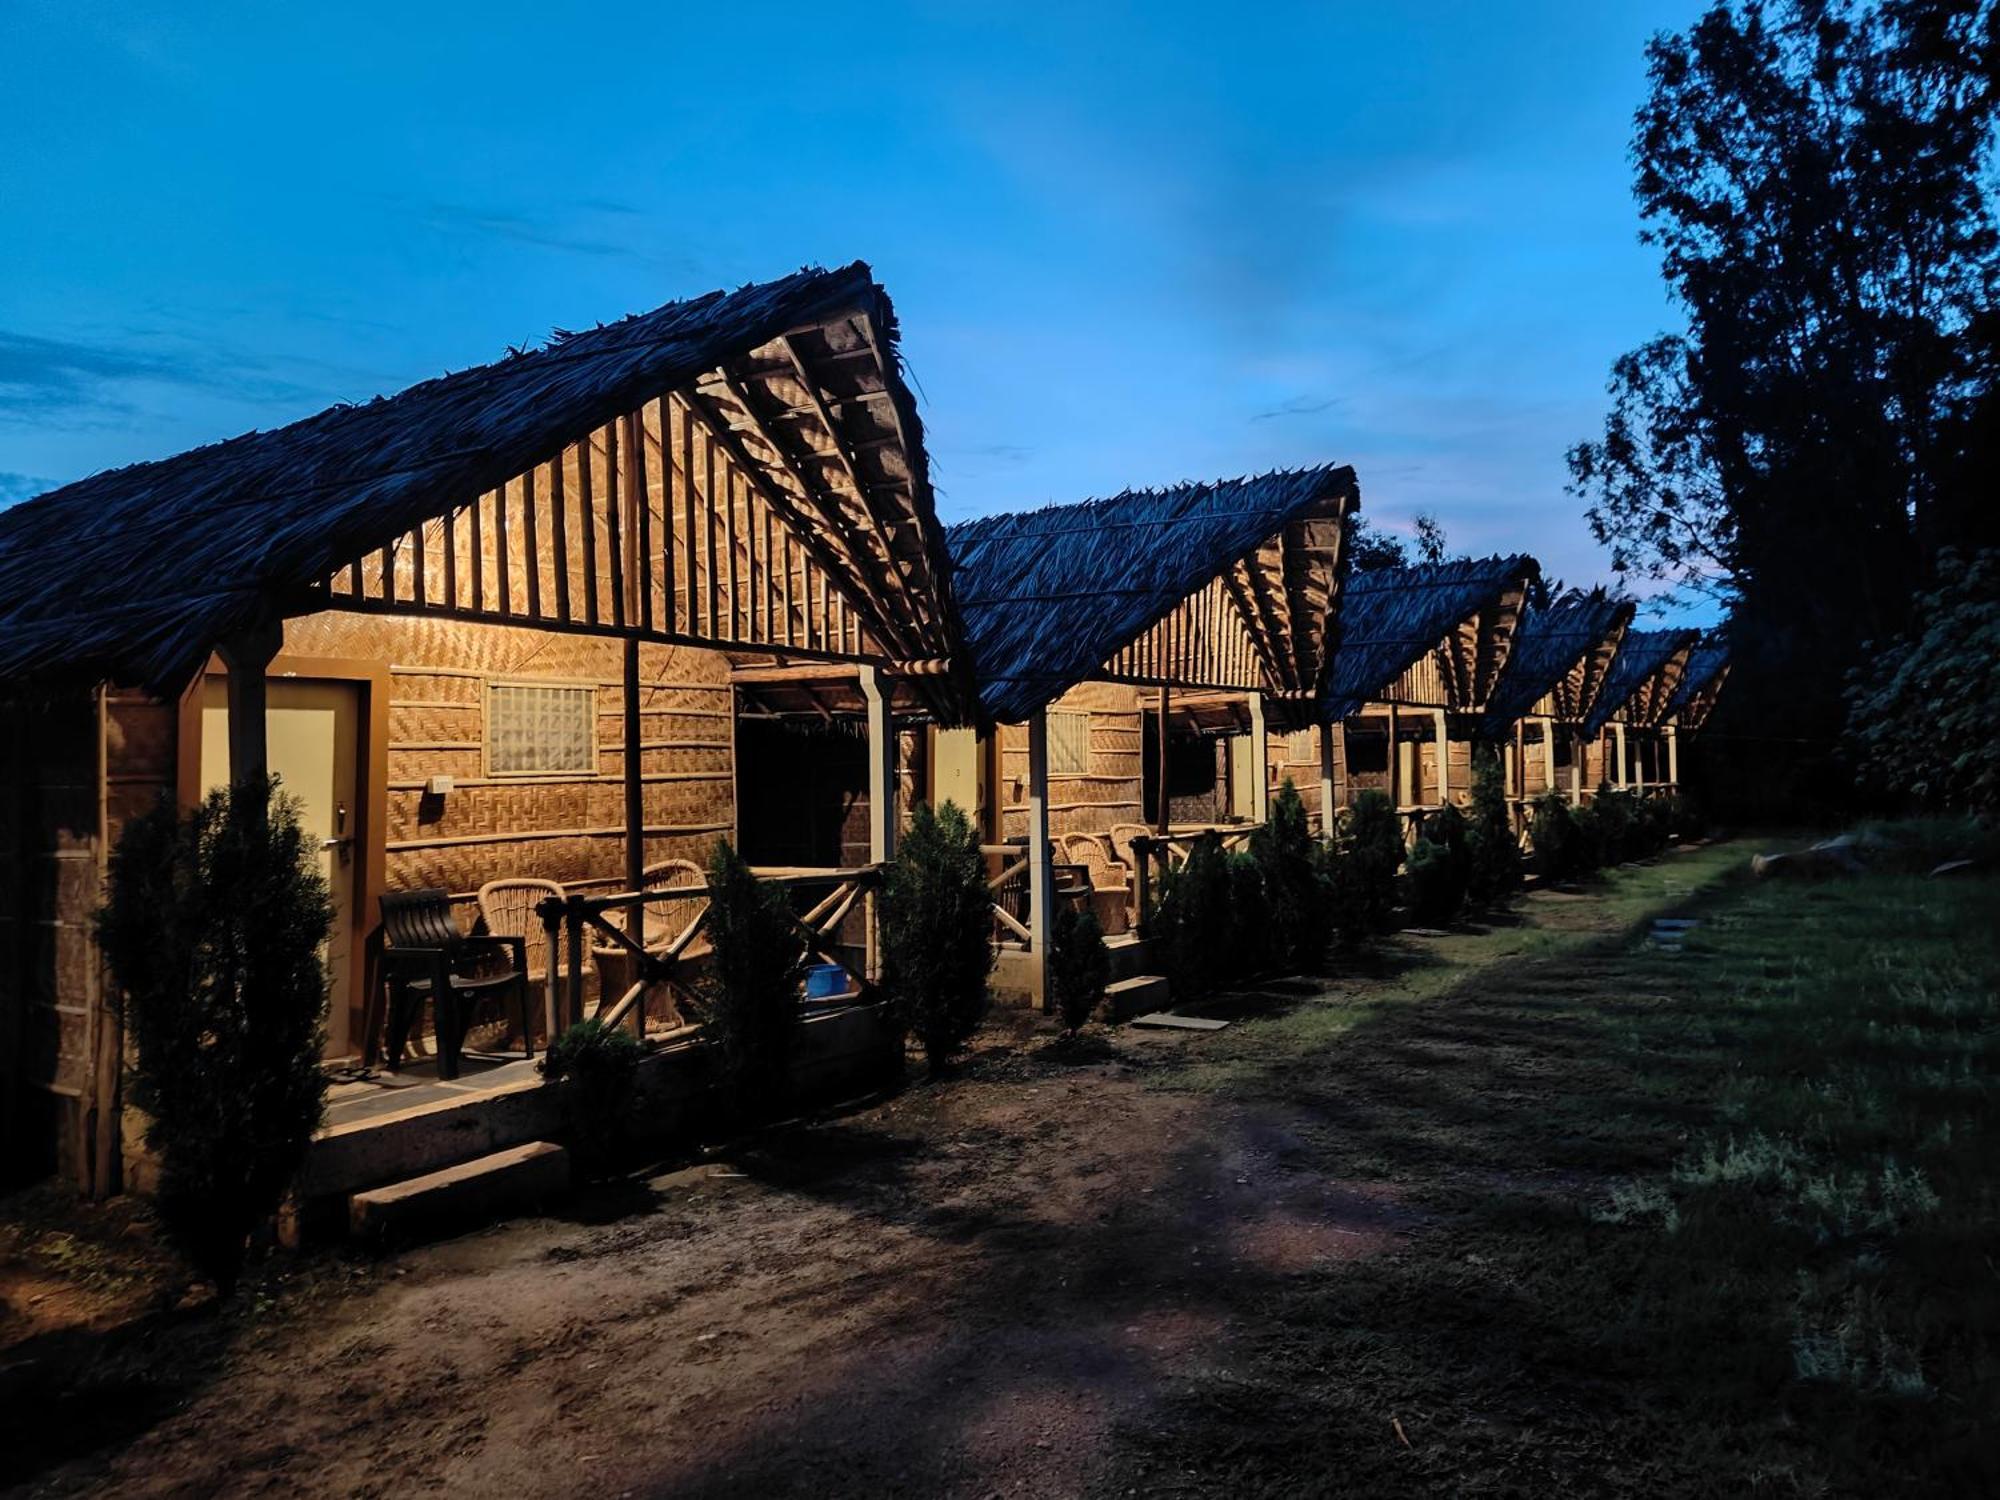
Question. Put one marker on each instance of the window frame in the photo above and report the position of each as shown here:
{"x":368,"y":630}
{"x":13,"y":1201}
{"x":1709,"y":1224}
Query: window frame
{"x":587,"y":686}
{"x":1084,"y":715}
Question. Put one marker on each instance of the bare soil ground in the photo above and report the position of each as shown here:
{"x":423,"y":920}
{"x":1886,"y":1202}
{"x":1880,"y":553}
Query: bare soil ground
{"x":1061,"y":1271}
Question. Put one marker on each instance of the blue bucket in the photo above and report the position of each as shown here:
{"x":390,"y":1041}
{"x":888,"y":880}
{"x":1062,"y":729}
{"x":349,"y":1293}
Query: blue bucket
{"x":824,"y":981}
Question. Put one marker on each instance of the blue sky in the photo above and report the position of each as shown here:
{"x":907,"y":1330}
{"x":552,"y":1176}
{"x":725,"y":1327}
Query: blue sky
{"x":1128,"y":244}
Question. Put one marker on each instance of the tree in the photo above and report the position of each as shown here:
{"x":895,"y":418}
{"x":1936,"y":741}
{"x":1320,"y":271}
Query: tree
{"x":1926,"y":705}
{"x":752,"y":986}
{"x":1816,"y":175}
{"x":938,"y":931}
{"x":1496,"y":852}
{"x":1300,"y":914}
{"x":1431,"y":545}
{"x":1079,"y":965}
{"x":213,"y":930}
{"x":1369,"y":549}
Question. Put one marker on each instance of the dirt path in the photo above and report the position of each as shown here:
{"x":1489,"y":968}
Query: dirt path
{"x":971,"y":1289}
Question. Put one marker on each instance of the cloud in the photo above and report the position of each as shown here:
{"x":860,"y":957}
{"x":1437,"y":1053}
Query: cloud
{"x":15,"y":487}
{"x":568,"y":234}
{"x":1299,"y":406}
{"x":38,"y":374}
{"x":1003,"y":453}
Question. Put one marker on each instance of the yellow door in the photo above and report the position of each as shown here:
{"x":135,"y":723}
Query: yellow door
{"x":313,"y":729}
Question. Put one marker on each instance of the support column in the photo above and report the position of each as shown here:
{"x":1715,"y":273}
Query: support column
{"x":247,"y":655}
{"x":1326,"y":802}
{"x":1395,"y":762}
{"x":1161,"y":810}
{"x":1444,"y":757}
{"x":1041,"y":867}
{"x":1639,"y":764}
{"x":635,"y":813}
{"x":1578,"y":746}
{"x":1548,"y":755}
{"x":881,"y":768}
{"x":1618,"y":741}
{"x":1260,"y":761}
{"x":1674,"y":757}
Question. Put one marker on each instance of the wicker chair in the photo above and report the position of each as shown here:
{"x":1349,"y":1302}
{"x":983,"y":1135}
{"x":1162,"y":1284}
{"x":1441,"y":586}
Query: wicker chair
{"x":1110,"y":881}
{"x":666,"y":921}
{"x":1120,"y":838}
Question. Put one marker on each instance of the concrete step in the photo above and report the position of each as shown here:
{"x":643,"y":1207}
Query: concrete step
{"x":1124,"y":998}
{"x":517,"y":1180}
{"x":1168,"y":1021}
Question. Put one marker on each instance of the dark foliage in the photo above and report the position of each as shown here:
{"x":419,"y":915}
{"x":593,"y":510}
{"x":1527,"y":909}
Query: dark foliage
{"x":213,"y":932}
{"x":937,"y":932}
{"x":753,"y":984}
{"x":1298,"y":904}
{"x":1612,"y":813}
{"x":1079,"y":966}
{"x":1439,"y":869}
{"x":1925,"y":708}
{"x":1817,"y":176}
{"x":598,"y":1066}
{"x":1568,"y":843}
{"x":1495,"y":852}
{"x":1368,"y":852}
{"x":1193,"y":927}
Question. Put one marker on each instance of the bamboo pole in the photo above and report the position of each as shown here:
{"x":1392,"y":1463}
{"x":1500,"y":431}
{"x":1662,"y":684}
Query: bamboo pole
{"x":1041,"y":870}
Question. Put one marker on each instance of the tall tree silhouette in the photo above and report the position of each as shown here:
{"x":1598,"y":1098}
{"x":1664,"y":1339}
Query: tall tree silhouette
{"x":1817,"y":176}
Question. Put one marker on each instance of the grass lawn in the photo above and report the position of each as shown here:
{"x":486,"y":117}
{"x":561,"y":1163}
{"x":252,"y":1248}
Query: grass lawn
{"x":1712,"y":1221}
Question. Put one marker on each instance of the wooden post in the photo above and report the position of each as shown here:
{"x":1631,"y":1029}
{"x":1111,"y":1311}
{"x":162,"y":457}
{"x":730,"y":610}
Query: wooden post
{"x":1444,"y":758}
{"x":1260,"y":762}
{"x":1343,"y":784}
{"x":635,"y":815}
{"x":1578,"y":746}
{"x":247,"y":655}
{"x":1326,"y":822}
{"x":1618,"y":739}
{"x":1674,"y":758}
{"x":1041,"y":867}
{"x":1639,"y":764}
{"x":1548,"y":755}
{"x":1395,"y":761}
{"x":1160,"y":811}
{"x":881,"y":768}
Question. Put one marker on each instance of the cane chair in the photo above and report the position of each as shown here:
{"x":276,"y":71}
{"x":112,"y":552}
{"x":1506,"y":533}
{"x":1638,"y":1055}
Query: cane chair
{"x":665,"y":930}
{"x":1110,"y":881}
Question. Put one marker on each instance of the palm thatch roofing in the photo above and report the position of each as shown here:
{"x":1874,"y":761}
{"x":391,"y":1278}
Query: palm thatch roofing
{"x":1561,"y":656}
{"x":1224,"y":585}
{"x":1643,"y":678}
{"x":1701,"y":684}
{"x":1451,"y":623}
{"x":137,"y":573}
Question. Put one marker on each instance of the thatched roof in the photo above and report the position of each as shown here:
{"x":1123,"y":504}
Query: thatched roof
{"x":1560,"y":659}
{"x":1701,"y":684}
{"x":137,"y":573}
{"x":1457,"y":618}
{"x":1643,"y":678}
{"x":1221,"y":585}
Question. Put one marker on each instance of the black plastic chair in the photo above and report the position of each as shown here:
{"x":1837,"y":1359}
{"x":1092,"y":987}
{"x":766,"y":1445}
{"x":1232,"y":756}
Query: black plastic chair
{"x":428,"y":958}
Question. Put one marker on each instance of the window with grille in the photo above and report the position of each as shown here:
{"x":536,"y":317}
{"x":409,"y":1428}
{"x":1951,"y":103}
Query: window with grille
{"x":1302,"y":747}
{"x":540,"y":729}
{"x":1069,"y":744}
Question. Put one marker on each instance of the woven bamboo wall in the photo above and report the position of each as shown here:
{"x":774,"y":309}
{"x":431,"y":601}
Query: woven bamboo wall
{"x":1110,"y":791}
{"x":570,"y":827}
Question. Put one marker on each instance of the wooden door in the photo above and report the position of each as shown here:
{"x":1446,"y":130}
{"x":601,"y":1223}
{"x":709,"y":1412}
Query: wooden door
{"x":314,"y":729}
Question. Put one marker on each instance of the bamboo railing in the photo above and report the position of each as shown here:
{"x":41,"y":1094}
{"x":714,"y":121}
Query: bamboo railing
{"x":568,"y":920}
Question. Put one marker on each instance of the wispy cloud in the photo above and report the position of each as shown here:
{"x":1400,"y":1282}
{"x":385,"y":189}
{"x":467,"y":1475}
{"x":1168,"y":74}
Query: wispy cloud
{"x":15,"y":487}
{"x":1002,"y":453}
{"x":1299,"y":406}
{"x":86,"y":383}
{"x":572,"y":233}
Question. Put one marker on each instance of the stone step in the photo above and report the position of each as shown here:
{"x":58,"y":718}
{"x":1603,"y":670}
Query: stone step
{"x":517,"y":1180}
{"x":1129,"y":997}
{"x":1168,"y":1021}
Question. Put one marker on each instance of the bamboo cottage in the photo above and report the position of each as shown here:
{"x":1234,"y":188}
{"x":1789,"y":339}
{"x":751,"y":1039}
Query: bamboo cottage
{"x":1630,"y":744}
{"x":549,"y":626}
{"x":1560,"y":663}
{"x":1420,"y":653}
{"x":1100,"y":629}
